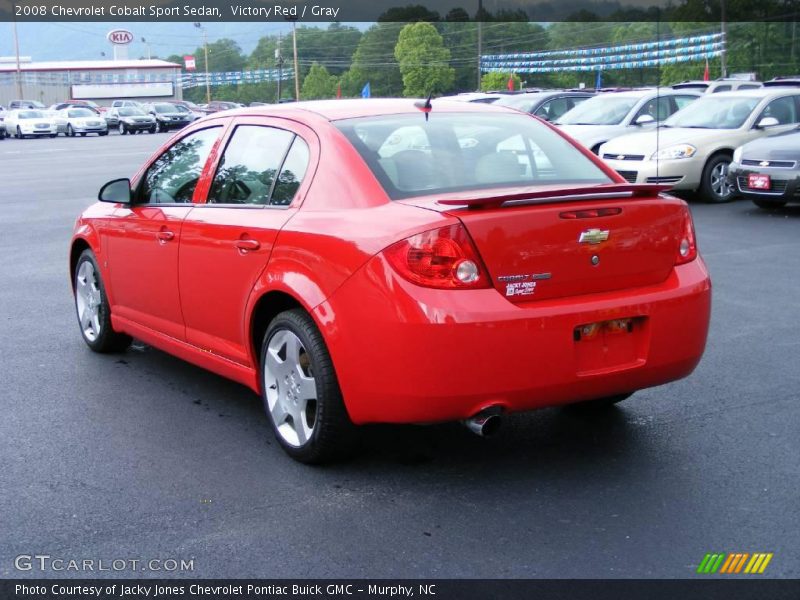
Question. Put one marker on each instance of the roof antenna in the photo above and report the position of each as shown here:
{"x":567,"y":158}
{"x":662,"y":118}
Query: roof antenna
{"x":426,"y":106}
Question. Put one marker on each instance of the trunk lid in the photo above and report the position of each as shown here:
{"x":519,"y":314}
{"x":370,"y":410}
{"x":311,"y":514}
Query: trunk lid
{"x":556,"y":243}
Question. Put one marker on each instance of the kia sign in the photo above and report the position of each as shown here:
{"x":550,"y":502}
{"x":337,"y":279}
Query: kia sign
{"x":119,"y":37}
{"x":189,"y":63}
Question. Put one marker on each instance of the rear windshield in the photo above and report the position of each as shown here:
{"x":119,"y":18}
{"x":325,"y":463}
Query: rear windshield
{"x":453,"y":152}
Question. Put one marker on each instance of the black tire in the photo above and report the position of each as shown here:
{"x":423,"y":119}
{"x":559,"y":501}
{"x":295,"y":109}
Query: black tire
{"x":601,"y":403}
{"x":83,"y":135}
{"x":106,"y":339}
{"x":768,"y":204}
{"x":122,"y":129}
{"x":159,"y":127}
{"x":70,"y":131}
{"x":53,"y":135}
{"x":710,"y":184}
{"x":333,"y":434}
{"x":19,"y":135}
{"x":103,"y":133}
{"x":153,"y":129}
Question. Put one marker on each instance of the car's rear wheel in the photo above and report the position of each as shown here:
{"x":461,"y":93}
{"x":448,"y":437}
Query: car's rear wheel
{"x":769,"y":204}
{"x":714,"y":185}
{"x":93,"y":310}
{"x":122,"y":129}
{"x":301,"y":392}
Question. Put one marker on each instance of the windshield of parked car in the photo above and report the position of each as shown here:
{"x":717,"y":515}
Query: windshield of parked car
{"x":412,"y":156}
{"x":713,"y":112}
{"x":165,"y":108}
{"x":31,"y":114}
{"x":79,"y":113}
{"x":130,"y":112}
{"x":605,"y":109}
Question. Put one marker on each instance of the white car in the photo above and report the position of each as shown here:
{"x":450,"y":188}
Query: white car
{"x":2,"y":122}
{"x":80,"y":121}
{"x":694,"y":147}
{"x":23,"y":123}
{"x":611,"y":114}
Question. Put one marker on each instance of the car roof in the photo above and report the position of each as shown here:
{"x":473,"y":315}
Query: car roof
{"x":763,"y":92}
{"x":334,"y":110}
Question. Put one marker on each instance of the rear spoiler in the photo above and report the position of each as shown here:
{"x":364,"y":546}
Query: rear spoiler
{"x":535,"y":196}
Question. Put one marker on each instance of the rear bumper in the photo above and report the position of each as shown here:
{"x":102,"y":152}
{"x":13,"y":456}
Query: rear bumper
{"x":406,"y":354}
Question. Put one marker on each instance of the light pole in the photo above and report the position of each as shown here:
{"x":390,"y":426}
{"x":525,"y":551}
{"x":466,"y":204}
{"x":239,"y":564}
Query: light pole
{"x":296,"y":68}
{"x":479,"y":17}
{"x":19,"y":71}
{"x":205,"y":50}
{"x":279,"y":62}
{"x":144,"y":41}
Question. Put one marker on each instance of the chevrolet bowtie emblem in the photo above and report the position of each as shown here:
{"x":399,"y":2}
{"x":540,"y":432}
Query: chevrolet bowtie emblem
{"x":593,"y":236}
{"x":620,"y":157}
{"x":763,"y":163}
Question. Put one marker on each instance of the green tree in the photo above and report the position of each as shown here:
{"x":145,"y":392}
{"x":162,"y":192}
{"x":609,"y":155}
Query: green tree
{"x":318,"y":83}
{"x":374,"y":61}
{"x":423,"y":60}
{"x":497,"y":80}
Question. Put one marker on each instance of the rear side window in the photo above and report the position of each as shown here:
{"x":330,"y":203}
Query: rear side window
{"x":249,"y":165}
{"x":721,"y":88}
{"x":292,"y":173}
{"x":682,"y":101}
{"x":412,"y":156}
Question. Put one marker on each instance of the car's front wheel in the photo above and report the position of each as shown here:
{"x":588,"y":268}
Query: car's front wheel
{"x":300,"y":391}
{"x":94,"y":312}
{"x":122,"y":129}
{"x":715,"y":186}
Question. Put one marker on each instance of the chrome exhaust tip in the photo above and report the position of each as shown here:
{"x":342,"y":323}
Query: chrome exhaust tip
{"x":485,"y":423}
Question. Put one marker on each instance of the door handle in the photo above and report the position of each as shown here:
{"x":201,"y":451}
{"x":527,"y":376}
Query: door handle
{"x":165,"y":236}
{"x":247,"y":245}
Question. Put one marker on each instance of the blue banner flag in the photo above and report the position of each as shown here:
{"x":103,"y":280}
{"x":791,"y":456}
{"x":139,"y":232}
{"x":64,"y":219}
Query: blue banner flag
{"x":365,"y":91}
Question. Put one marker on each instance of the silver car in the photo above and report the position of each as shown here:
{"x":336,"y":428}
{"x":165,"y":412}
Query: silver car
{"x":611,"y":114}
{"x":694,"y":148}
{"x":80,"y":121}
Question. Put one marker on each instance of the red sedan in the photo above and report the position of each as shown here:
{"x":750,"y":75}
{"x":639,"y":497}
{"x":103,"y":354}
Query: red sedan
{"x":390,"y":261}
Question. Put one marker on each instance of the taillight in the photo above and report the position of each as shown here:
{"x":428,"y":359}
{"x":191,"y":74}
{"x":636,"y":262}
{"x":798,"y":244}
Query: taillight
{"x":687,"y":247}
{"x":442,"y":258}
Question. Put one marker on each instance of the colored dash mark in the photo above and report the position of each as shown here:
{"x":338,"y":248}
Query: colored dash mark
{"x":734,"y":562}
{"x":710,"y":563}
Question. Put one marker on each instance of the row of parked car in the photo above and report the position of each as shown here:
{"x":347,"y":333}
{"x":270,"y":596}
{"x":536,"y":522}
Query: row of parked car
{"x":719,"y":139}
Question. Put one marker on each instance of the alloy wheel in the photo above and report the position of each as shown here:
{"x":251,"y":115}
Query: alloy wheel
{"x":88,"y":301}
{"x":720,"y":185}
{"x":290,"y":387}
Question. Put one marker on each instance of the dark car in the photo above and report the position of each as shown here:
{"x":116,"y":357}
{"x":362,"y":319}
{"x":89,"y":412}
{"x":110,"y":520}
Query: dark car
{"x":767,"y":170}
{"x":25,"y":104}
{"x":170,"y":116}
{"x":219,"y":105}
{"x":546,"y":104}
{"x":131,"y":119}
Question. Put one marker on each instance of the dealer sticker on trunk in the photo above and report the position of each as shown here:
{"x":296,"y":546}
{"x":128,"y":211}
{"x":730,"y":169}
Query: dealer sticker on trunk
{"x":522,"y":288}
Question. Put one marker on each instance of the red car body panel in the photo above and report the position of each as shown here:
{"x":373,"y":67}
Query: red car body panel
{"x":403,"y":353}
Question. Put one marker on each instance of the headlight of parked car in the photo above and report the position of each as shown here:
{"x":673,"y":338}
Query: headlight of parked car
{"x":737,"y":155}
{"x":676,"y":151}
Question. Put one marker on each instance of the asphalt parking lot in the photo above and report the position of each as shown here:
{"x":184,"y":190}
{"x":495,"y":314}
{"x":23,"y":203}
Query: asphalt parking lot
{"x":141,"y":456}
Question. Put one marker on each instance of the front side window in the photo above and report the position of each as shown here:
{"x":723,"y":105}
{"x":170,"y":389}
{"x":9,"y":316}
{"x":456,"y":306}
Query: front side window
{"x":173,"y":176}
{"x":658,"y":108}
{"x":462,"y":151}
{"x":249,"y":165}
{"x":782,"y":109}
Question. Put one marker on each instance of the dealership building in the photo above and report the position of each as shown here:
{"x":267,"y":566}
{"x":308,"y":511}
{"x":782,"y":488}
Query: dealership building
{"x":98,"y":80}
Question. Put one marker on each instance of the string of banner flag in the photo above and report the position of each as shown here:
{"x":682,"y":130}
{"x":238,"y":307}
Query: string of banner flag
{"x":190,"y":80}
{"x":620,"y":56}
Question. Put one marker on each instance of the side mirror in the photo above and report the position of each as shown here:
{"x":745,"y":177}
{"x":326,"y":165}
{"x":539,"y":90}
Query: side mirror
{"x":644,"y":120}
{"x":767,"y":122}
{"x":117,"y":191}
